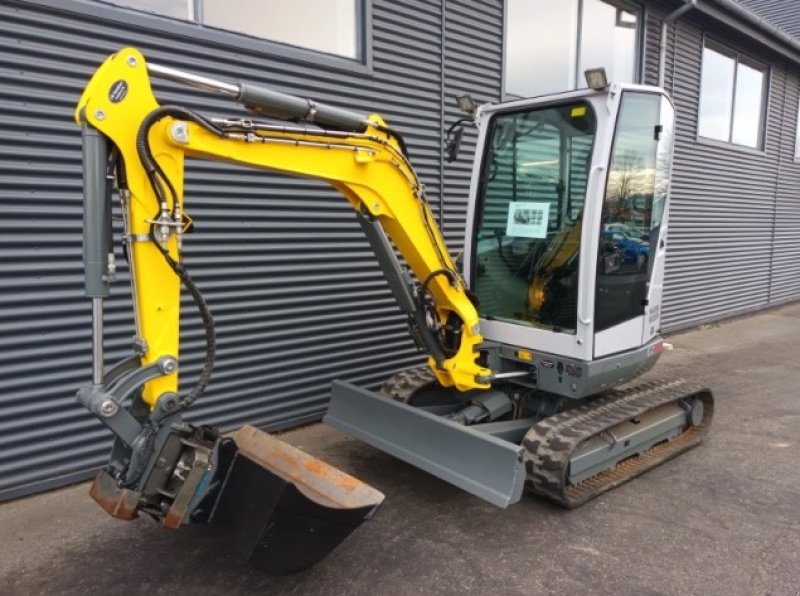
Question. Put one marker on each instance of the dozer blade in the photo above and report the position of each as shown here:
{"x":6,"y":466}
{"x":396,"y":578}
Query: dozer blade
{"x":281,"y":509}
{"x":475,"y":461}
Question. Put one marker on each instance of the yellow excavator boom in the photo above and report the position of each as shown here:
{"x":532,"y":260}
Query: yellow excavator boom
{"x":368,"y":168}
{"x":280,"y":508}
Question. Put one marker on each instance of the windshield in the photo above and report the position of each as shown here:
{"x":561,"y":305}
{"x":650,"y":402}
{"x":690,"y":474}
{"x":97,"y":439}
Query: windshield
{"x":530,"y":203}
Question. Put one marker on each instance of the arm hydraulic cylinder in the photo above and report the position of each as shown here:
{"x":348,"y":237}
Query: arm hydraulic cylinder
{"x":97,"y":255}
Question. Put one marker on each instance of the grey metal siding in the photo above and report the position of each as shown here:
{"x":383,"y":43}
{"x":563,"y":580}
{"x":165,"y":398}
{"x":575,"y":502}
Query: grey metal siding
{"x":295,"y":291}
{"x":293,"y":286}
{"x":720,"y":246}
{"x":785,"y":273}
{"x":473,"y":64}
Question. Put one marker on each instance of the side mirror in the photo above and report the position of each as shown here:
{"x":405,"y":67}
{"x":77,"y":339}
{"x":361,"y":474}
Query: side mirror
{"x":456,"y":132}
{"x":454,"y":144}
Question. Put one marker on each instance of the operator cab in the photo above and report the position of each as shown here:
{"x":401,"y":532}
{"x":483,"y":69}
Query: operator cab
{"x":567,"y":226}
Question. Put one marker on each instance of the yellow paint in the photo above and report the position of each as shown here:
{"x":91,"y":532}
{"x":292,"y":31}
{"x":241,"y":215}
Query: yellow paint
{"x":381,"y":186}
{"x":158,"y":288}
{"x":525,"y":355}
{"x":369,"y":174}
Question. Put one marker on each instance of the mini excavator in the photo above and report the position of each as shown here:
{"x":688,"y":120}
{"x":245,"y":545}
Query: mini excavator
{"x":556,"y":304}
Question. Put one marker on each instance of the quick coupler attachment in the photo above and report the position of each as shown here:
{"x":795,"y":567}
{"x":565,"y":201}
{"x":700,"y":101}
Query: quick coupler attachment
{"x":281,"y":509}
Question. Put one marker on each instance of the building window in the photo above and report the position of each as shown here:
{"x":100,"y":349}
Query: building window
{"x":549,"y":44}
{"x":732,"y":97}
{"x":330,"y":26}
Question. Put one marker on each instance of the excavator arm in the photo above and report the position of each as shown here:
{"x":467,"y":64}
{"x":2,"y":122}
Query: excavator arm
{"x":281,"y":509}
{"x":363,"y":160}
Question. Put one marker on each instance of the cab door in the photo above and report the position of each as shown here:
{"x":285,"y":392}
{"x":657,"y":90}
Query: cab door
{"x":527,"y":245}
{"x":633,"y":224}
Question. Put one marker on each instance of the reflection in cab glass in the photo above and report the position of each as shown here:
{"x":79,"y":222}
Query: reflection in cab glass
{"x":636,"y":191}
{"x":528,"y":225}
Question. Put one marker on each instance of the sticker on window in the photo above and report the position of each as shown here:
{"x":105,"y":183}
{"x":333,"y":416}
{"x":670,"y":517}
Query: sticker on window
{"x":527,"y":220}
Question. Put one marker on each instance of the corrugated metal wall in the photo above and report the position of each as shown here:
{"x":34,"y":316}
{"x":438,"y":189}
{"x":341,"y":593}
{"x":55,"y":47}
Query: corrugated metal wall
{"x":294,"y":288}
{"x":785,"y":273}
{"x":734,"y":233}
{"x":292,"y":283}
{"x":473,"y":64}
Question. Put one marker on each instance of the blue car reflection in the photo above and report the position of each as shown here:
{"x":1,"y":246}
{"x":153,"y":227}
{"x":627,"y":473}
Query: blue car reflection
{"x":633,"y":250}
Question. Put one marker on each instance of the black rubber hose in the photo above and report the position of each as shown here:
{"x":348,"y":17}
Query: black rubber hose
{"x":152,"y":168}
{"x":155,"y":172}
{"x":208,"y":327}
{"x":397,"y":137}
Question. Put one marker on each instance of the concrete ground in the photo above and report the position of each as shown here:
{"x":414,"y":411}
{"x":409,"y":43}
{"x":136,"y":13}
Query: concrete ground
{"x":721,"y":519}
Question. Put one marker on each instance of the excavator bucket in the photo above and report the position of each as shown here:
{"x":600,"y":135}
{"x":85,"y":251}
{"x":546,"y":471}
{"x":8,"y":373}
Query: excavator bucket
{"x":281,"y":509}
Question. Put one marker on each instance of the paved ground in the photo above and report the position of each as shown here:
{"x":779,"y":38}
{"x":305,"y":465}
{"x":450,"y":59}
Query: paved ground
{"x":722,"y":519}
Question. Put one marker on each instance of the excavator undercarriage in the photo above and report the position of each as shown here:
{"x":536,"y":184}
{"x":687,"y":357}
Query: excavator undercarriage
{"x":574,"y":451}
{"x":568,"y":451}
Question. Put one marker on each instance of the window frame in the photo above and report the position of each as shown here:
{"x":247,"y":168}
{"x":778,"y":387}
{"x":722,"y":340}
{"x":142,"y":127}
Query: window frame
{"x":648,"y":274}
{"x":638,"y":62}
{"x":739,"y":58}
{"x":477,"y":211}
{"x":198,"y":9}
{"x":193,"y":31}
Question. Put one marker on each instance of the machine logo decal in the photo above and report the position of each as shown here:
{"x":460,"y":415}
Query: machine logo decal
{"x":118,"y":91}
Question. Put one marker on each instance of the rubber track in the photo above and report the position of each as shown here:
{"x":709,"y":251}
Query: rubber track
{"x":550,"y":443}
{"x":404,"y":384}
